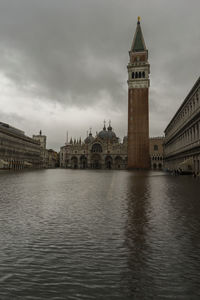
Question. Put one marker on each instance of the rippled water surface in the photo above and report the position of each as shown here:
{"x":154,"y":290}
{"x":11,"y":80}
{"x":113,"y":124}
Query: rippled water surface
{"x":72,"y":234}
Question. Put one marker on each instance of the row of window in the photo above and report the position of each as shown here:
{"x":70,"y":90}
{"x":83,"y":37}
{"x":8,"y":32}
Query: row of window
{"x":157,"y":158}
{"x":117,"y":159}
{"x":9,"y":142}
{"x":98,"y":148}
{"x":138,"y":74}
{"x":187,"y":110}
{"x":20,"y":154}
{"x":190,"y":135}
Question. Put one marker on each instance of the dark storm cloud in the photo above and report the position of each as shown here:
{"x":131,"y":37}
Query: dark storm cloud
{"x":61,"y":48}
{"x":73,"y":51}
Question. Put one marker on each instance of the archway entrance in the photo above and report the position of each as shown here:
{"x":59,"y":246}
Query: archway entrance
{"x":154,"y":166}
{"x":108,"y":162}
{"x":96,"y":161}
{"x":74,"y":162}
{"x":118,"y":162}
{"x":83,"y":162}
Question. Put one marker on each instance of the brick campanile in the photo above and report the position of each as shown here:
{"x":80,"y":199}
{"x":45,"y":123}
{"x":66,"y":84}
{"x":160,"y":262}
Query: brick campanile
{"x":138,"y":103}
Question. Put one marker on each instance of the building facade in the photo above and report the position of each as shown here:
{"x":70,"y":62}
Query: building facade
{"x":182,"y":135}
{"x":104,"y":151}
{"x":18,"y":151}
{"x":42,"y":139}
{"x":49,"y":157}
{"x":53,"y":159}
{"x":156,"y":152}
{"x":138,"y":107}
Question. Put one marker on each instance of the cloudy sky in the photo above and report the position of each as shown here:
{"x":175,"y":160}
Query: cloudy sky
{"x":63,"y":62}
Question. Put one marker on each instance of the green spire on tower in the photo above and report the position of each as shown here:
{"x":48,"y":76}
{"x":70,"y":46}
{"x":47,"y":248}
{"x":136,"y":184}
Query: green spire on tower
{"x":138,"y":41}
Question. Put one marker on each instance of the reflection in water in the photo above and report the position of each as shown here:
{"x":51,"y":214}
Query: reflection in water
{"x":72,"y":234}
{"x":162,"y":238}
{"x":136,"y":231}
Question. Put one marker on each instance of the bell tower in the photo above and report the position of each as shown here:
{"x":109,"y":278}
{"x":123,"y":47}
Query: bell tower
{"x":138,"y":103}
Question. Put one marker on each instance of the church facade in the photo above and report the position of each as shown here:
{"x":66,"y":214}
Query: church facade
{"x":103,"y":151}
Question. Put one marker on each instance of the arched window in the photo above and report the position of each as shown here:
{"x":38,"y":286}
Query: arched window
{"x":96,"y":148}
{"x":139,"y":74}
{"x":108,"y":162}
{"x":136,"y":75}
{"x":133,"y":75}
{"x":83,"y":162}
{"x":143,"y":74}
{"x":155,"y":147}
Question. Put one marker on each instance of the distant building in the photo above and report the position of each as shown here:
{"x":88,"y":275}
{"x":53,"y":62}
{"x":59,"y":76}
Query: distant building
{"x":49,"y":156}
{"x":18,"y":151}
{"x":138,"y":103}
{"x":104,"y":151}
{"x":53,"y":159}
{"x":42,"y":139}
{"x":182,"y":135}
{"x":156,"y":152}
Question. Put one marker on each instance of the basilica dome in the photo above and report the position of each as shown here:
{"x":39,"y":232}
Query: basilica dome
{"x":108,"y":134}
{"x":89,"y":139}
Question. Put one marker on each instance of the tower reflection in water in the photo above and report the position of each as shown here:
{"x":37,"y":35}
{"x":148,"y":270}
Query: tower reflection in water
{"x":136,"y":232}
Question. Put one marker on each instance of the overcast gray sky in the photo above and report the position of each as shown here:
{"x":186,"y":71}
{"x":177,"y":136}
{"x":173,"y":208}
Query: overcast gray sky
{"x":63,"y":62}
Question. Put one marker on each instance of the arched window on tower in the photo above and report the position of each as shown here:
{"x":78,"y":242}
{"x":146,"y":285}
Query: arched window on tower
{"x":139,"y":74}
{"x":136,"y":75}
{"x":143,"y":74}
{"x":133,"y":75}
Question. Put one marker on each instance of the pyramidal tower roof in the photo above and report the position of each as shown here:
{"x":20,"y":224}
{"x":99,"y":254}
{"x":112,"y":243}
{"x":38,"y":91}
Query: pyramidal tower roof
{"x":138,"y":40}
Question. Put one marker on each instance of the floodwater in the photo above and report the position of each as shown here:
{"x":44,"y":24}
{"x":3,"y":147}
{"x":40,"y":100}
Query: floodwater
{"x":86,"y":234}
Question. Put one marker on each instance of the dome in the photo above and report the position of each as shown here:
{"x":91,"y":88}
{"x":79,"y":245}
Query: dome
{"x":89,"y":139}
{"x":103,"y":134}
{"x":107,"y":134}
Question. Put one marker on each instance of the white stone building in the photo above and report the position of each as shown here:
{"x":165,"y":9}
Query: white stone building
{"x":18,"y":151}
{"x":182,"y":135}
{"x":42,"y":139}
